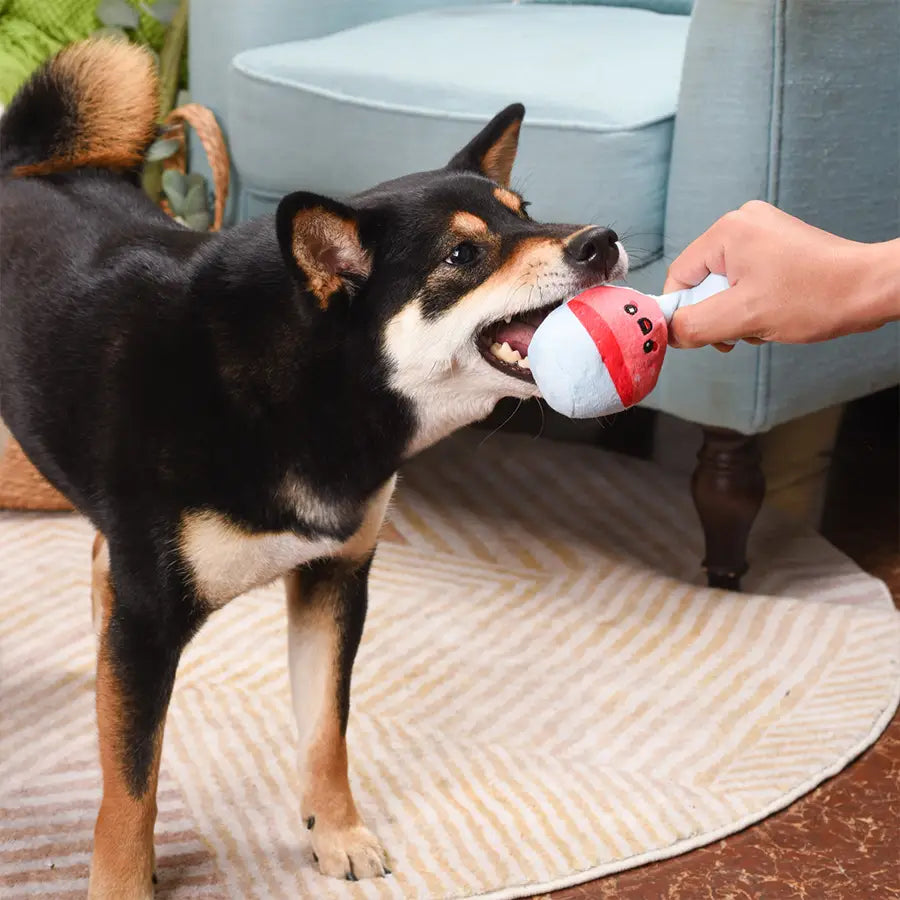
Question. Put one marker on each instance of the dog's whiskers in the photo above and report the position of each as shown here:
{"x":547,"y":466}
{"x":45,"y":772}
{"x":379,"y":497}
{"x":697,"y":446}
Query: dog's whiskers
{"x":540,"y":403}
{"x":505,"y":422}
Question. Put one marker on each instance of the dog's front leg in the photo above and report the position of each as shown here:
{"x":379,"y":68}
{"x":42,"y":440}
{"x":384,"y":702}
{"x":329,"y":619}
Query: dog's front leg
{"x":326,"y":610}
{"x":140,"y":642}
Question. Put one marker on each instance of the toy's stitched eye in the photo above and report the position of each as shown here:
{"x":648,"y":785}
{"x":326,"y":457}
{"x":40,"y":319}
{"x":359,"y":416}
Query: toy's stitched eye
{"x":649,"y":346}
{"x":462,"y":254}
{"x":630,"y":308}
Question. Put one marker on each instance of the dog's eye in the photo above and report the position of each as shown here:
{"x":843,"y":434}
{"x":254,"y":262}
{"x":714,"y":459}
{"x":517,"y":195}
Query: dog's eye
{"x":462,"y":254}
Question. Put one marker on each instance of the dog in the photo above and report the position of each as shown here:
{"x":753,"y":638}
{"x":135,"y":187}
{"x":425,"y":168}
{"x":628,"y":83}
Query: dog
{"x":232,"y":408}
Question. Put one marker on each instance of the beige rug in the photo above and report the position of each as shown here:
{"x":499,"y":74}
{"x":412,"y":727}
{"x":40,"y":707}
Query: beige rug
{"x":542,"y":696}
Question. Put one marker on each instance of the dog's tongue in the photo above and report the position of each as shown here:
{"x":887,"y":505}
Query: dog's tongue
{"x":517,"y":334}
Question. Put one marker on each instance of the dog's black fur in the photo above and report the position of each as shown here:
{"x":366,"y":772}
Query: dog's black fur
{"x":150,"y":371}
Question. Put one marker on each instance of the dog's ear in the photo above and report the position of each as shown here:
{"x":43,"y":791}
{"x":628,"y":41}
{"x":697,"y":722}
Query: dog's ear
{"x":319,"y":238}
{"x":492,"y":151}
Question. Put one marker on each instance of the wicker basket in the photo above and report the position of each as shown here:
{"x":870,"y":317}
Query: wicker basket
{"x":21,"y":485}
{"x":210,"y":136}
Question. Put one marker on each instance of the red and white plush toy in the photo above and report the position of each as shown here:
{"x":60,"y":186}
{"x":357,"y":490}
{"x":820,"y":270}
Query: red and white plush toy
{"x":602,"y":351}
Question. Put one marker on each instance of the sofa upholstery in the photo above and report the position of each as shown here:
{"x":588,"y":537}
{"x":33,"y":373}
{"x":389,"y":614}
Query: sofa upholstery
{"x":654,"y":123}
{"x":377,"y":101}
{"x":653,"y":116}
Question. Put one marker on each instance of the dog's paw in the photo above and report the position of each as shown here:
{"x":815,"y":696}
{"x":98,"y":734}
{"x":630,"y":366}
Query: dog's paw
{"x":350,"y":853}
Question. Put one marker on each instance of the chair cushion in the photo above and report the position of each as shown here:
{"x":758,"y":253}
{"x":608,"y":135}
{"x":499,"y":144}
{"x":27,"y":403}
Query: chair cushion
{"x":340,"y":113}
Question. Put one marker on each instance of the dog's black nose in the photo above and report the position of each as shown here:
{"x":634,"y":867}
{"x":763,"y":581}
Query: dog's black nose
{"x":594,"y":248}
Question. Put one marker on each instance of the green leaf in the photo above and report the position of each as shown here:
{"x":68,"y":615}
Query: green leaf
{"x":196,"y":178}
{"x":117,"y":13}
{"x":199,"y":221}
{"x":174,"y":186}
{"x":111,"y":32}
{"x":196,"y":200}
{"x":162,"y":148}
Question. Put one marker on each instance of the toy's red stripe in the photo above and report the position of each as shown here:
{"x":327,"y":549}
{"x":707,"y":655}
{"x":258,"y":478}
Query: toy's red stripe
{"x":605,"y":341}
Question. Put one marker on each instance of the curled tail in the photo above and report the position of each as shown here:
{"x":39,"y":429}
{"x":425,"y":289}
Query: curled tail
{"x":93,"y":104}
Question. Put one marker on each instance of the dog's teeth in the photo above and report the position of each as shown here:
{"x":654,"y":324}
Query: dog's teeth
{"x":507,"y":354}
{"x":524,"y":364}
{"x":495,"y":350}
{"x":508,"y":319}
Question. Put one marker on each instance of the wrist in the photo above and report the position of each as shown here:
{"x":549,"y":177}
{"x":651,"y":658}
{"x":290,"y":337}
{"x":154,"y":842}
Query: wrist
{"x":879,"y":284}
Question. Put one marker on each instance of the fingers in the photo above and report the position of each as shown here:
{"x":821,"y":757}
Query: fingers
{"x":702,"y":256}
{"x":722,"y":317}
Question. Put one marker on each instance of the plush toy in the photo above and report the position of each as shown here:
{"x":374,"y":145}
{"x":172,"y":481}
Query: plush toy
{"x":603,"y":350}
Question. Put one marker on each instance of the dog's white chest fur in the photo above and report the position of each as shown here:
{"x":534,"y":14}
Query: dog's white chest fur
{"x":225,"y":560}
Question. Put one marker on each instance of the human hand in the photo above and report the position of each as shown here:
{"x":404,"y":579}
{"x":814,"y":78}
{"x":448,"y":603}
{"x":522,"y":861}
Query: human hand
{"x":791,"y":282}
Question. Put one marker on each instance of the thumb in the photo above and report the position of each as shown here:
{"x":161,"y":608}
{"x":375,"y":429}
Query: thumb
{"x":721,"y":317}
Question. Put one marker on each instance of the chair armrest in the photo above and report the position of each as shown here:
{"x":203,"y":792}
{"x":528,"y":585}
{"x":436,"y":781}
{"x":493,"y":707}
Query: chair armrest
{"x":794,"y":102}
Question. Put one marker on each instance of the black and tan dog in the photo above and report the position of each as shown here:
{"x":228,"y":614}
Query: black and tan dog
{"x":229,"y":409}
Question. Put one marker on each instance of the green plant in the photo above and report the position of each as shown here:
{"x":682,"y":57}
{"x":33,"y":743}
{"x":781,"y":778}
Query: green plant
{"x":187,"y":197}
{"x":162,"y":23}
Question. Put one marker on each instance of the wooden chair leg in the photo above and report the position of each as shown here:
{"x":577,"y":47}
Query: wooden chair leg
{"x":728,"y":488}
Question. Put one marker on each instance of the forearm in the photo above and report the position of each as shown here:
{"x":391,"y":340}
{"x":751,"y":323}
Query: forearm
{"x":879,"y":299}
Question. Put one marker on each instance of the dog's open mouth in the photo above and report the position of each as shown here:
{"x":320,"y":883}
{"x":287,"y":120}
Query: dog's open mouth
{"x":504,"y":344}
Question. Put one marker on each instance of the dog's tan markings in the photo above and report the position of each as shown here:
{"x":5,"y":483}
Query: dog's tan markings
{"x":100,"y":588}
{"x":427,"y":351}
{"x":114,"y":86}
{"x":520,"y":272}
{"x":363,"y":541}
{"x":467,"y":224}
{"x":509,"y":199}
{"x":326,"y":248}
{"x":322,"y":748}
{"x":225,"y":560}
{"x":339,"y":837}
{"x":497,"y":162}
{"x":123,"y":860}
{"x":522,"y":268}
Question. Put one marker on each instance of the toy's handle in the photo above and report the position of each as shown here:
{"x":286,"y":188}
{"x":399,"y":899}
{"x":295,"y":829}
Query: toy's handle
{"x":712,"y":284}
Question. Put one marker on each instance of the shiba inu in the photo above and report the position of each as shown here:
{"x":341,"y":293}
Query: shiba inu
{"x":232,"y":408}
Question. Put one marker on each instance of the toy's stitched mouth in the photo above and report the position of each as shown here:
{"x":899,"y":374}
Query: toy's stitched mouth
{"x":504,"y":344}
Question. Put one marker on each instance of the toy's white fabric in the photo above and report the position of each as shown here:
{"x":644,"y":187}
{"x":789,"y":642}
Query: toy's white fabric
{"x":712,"y":284}
{"x":569,"y":369}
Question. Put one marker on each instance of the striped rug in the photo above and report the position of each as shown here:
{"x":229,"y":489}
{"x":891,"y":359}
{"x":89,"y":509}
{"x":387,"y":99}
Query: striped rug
{"x":544,"y":694}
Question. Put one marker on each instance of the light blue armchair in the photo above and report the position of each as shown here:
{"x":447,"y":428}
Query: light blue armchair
{"x":646,"y":115}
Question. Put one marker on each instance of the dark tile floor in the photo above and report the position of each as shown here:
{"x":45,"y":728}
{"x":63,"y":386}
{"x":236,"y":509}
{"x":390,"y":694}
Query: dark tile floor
{"x":842,"y":841}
